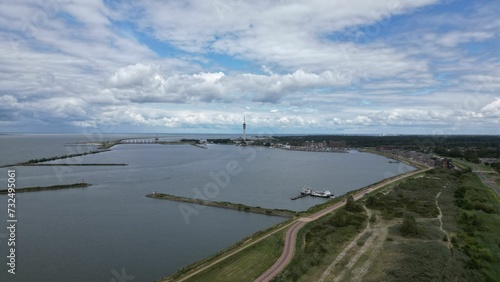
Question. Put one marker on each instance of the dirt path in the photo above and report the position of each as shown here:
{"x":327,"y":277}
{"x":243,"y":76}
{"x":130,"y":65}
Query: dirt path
{"x":380,"y":233}
{"x":350,"y":246}
{"x":440,"y":218}
{"x":353,"y":272}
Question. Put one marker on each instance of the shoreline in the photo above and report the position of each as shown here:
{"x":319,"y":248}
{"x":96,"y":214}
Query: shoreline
{"x":225,"y":205}
{"x":192,"y":269}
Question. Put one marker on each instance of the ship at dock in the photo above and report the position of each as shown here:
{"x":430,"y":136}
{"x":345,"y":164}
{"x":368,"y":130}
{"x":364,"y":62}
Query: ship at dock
{"x":307,"y":191}
{"x":322,"y":194}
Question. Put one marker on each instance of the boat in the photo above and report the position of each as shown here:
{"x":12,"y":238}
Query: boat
{"x":322,"y":194}
{"x":306,"y":191}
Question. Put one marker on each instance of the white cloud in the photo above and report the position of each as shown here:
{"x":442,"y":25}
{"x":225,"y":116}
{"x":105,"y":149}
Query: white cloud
{"x":145,"y":83}
{"x":492,"y":110}
{"x":324,"y":64}
{"x":454,"y":38}
{"x":8,"y":101}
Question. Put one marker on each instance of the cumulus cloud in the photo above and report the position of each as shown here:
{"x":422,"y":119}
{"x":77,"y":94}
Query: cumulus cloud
{"x":145,"y":84}
{"x":287,"y":64}
{"x":492,"y":109}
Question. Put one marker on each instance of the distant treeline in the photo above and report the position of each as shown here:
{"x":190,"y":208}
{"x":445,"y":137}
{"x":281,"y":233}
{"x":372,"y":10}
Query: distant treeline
{"x":196,"y":141}
{"x":400,"y":140}
{"x":471,"y":155}
{"x":220,"y":141}
{"x":34,"y":161}
{"x":458,"y":146}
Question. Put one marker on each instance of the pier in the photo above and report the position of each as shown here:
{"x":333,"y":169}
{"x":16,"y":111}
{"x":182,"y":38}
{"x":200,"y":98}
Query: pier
{"x":226,"y":205}
{"x":299,"y":196}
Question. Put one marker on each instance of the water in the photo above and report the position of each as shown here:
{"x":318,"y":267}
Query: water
{"x":94,"y":233}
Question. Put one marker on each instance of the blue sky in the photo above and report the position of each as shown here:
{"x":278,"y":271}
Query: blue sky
{"x":319,"y":66}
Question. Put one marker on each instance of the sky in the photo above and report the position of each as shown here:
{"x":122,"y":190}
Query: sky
{"x":287,"y":67}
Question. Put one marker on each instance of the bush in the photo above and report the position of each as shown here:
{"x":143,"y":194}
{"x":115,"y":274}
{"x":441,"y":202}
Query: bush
{"x":483,"y":207}
{"x":371,"y":201}
{"x":352,"y":206}
{"x":409,"y":226}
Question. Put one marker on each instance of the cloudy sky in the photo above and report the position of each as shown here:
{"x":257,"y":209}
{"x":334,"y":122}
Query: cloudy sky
{"x":200,"y":66}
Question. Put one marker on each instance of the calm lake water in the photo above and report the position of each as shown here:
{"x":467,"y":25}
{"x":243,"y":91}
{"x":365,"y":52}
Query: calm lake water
{"x":110,"y":229}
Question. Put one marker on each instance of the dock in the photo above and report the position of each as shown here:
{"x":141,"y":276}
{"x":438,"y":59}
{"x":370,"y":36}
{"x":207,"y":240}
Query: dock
{"x":299,"y":196}
{"x":226,"y":205}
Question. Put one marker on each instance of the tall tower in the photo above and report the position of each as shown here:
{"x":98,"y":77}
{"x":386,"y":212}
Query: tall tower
{"x":244,"y":130}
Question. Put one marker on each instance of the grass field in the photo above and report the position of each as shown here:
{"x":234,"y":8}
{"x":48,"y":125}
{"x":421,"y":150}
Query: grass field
{"x":246,"y":265}
{"x":473,"y":166}
{"x":480,"y":237}
{"x":470,"y":213}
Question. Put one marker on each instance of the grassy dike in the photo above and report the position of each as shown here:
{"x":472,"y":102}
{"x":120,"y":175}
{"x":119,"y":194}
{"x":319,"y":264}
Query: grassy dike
{"x":225,"y":205}
{"x":319,"y":242}
{"x":54,"y":187}
{"x":262,"y":248}
{"x":246,"y":265}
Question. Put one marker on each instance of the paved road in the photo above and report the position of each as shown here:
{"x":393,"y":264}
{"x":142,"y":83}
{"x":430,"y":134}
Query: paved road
{"x":237,"y":250}
{"x":487,"y":181}
{"x":291,"y":234}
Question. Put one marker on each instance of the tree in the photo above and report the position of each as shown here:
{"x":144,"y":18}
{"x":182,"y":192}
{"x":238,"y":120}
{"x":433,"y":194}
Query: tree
{"x":371,"y":201}
{"x":351,"y":205}
{"x":409,"y":226}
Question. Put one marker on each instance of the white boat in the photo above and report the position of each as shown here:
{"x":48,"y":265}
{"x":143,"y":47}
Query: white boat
{"x":306,"y":191}
{"x":323,"y":194}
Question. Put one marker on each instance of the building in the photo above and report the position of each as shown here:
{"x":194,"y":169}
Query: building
{"x":244,"y":130}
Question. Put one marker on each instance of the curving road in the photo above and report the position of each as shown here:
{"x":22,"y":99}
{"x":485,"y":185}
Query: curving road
{"x":291,"y":234}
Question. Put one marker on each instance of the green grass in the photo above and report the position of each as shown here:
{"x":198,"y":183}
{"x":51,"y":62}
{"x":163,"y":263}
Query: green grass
{"x":415,"y":196}
{"x":318,"y":243}
{"x":246,"y":265}
{"x":429,"y":261}
{"x":464,"y":163}
{"x":471,"y":214}
{"x":481,"y":242}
